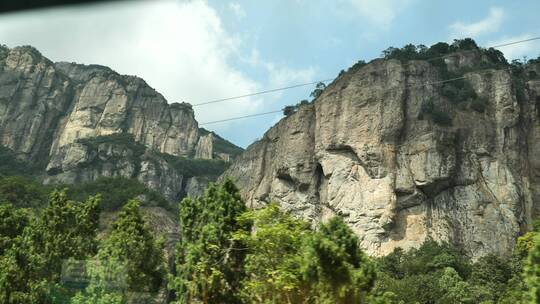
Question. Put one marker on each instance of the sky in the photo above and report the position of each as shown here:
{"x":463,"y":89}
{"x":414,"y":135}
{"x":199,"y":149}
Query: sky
{"x":196,"y":51}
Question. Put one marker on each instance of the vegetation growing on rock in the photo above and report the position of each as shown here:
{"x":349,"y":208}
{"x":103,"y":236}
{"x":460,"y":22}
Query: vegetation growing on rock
{"x":10,"y":165}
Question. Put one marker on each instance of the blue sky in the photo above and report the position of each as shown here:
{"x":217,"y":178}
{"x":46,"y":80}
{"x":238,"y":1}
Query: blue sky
{"x":195,"y":51}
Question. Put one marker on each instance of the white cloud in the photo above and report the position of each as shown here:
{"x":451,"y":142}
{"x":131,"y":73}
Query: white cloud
{"x":517,"y":51}
{"x":237,"y":9}
{"x":379,"y":12}
{"x":490,"y":24}
{"x":179,"y":47}
{"x":280,"y":75}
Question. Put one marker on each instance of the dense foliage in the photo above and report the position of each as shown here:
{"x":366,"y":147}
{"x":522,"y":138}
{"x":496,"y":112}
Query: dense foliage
{"x":129,"y":265}
{"x":196,"y":166}
{"x":288,"y":262}
{"x":32,"y":264}
{"x":24,"y":192}
{"x":11,"y":165}
{"x":229,"y":254}
{"x":209,"y":261}
{"x":437,"y":273}
{"x":119,"y":139}
{"x":116,"y":191}
{"x":436,"y":52}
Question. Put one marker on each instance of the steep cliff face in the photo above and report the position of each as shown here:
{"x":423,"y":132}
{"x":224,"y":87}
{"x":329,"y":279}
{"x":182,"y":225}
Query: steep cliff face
{"x":385,"y":148}
{"x":73,"y":120}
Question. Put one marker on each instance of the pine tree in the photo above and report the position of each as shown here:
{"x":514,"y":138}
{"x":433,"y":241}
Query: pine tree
{"x":334,"y":265}
{"x":455,"y":289}
{"x":130,"y":260}
{"x":12,"y":225}
{"x":64,"y":230}
{"x":273,"y":265}
{"x":532,"y":272}
{"x":208,"y":261}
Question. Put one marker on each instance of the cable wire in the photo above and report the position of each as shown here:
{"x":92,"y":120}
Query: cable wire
{"x":327,"y":80}
{"x":261,"y":92}
{"x":386,"y":90}
{"x":240,"y":117}
{"x":331,"y":79}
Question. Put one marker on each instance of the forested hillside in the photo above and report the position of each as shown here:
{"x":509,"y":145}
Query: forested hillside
{"x":229,"y":254}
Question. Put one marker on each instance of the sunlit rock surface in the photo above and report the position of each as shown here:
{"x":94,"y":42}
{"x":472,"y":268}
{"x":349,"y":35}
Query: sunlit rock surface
{"x":360,"y":151}
{"x":51,"y":114}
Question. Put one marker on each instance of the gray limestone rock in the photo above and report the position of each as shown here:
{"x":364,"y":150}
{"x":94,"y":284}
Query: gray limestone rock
{"x":363,"y":151}
{"x":57,"y":115}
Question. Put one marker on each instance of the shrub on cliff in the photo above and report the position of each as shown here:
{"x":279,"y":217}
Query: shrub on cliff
{"x":11,"y":165}
{"x":429,"y":110}
{"x":421,"y":52}
{"x":23,"y":192}
{"x":116,"y":191}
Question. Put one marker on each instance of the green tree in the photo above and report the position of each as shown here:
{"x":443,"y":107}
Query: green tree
{"x":289,"y":110}
{"x":335,"y":266}
{"x":489,"y":277}
{"x":209,"y":262}
{"x":12,"y":225}
{"x":115,"y":192}
{"x":414,"y":276}
{"x":22,"y":192}
{"x":11,"y":165}
{"x":319,"y":89}
{"x":525,"y":243}
{"x":64,"y":230}
{"x":464,"y":44}
{"x":129,"y":260}
{"x":455,"y":290}
{"x":532,"y":272}
{"x":274,"y":263}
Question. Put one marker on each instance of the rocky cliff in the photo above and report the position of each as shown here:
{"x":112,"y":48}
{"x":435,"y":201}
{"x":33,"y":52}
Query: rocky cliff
{"x":401,"y":158}
{"x":80,"y":122}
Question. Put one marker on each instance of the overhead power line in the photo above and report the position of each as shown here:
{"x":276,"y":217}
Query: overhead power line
{"x":515,"y":42}
{"x":331,"y":79}
{"x":327,"y":80}
{"x":386,"y":90}
{"x":261,"y":92}
{"x":240,"y":117}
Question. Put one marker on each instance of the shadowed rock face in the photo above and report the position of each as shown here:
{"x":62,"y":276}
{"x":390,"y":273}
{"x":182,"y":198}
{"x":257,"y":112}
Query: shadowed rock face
{"x":360,"y":151}
{"x":48,"y":109}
